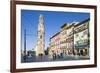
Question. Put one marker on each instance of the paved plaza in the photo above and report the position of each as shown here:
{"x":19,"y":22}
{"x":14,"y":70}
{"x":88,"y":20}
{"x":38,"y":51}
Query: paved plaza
{"x":45,"y":58}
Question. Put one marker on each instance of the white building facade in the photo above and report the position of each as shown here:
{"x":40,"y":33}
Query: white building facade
{"x":81,"y":38}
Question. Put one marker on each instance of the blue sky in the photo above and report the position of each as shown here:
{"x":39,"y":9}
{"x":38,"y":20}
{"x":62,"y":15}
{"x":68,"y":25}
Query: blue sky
{"x":52,"y":22}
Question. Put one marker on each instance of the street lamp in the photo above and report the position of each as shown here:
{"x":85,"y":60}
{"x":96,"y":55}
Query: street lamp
{"x":25,"y":45}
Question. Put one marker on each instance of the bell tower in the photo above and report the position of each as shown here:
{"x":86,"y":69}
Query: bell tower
{"x":40,"y":40}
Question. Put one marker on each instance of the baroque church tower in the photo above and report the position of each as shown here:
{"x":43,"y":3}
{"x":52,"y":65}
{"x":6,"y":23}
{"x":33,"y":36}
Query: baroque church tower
{"x":40,"y":41}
